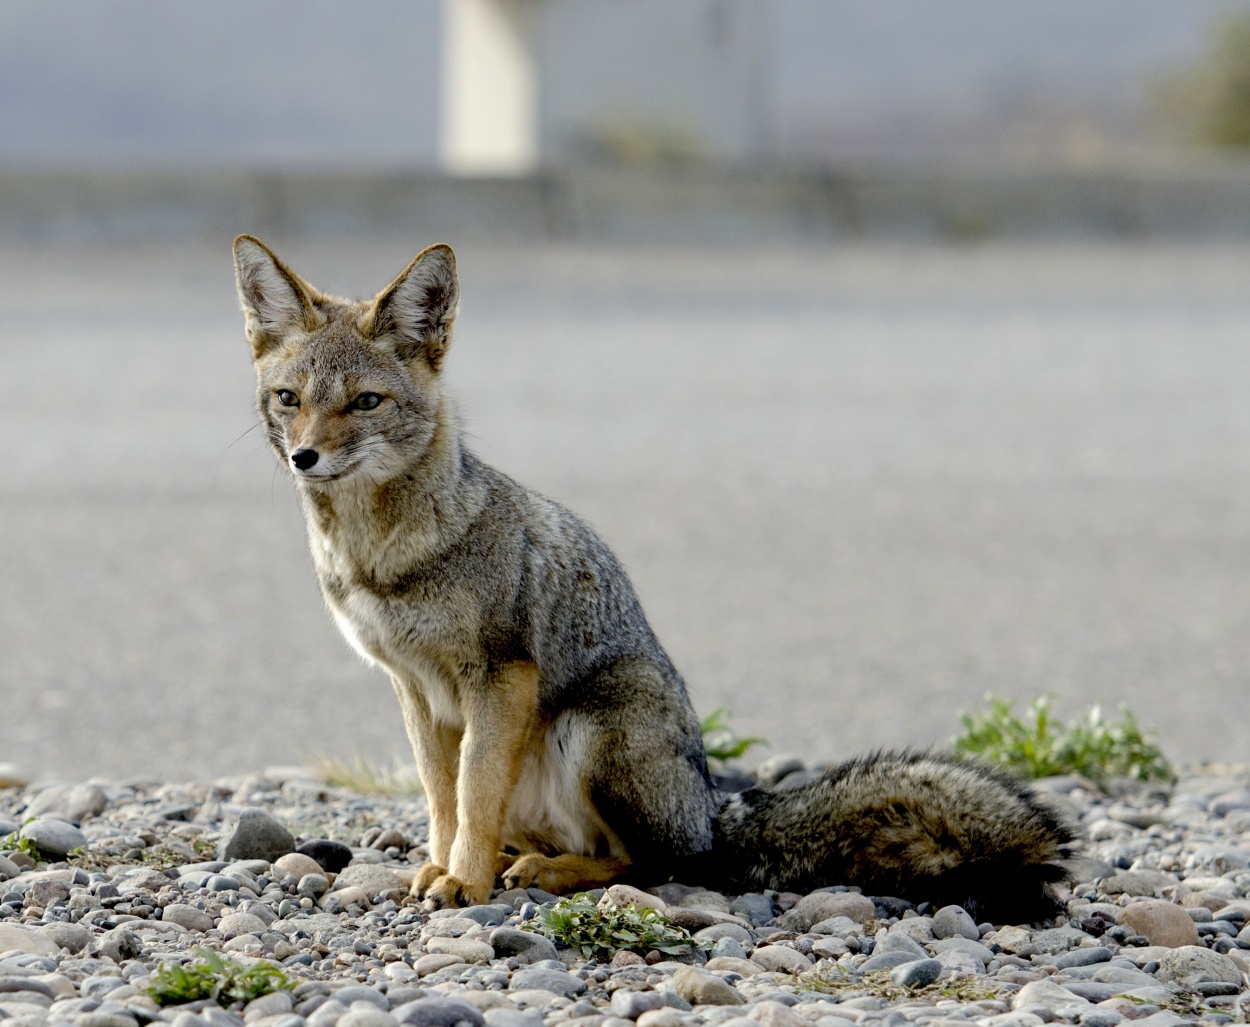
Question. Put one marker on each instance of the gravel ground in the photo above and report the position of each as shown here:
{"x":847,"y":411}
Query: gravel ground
{"x":1155,"y":929}
{"x":866,"y":482}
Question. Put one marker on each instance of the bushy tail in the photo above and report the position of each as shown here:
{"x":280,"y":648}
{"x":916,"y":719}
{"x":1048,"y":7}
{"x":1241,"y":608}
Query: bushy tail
{"x":919,"y":826}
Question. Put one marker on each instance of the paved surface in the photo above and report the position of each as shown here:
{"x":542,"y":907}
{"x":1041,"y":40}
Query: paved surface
{"x":855,"y":488}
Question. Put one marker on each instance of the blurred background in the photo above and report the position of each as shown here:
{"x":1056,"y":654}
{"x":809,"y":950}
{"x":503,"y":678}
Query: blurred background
{"x":901,"y":349}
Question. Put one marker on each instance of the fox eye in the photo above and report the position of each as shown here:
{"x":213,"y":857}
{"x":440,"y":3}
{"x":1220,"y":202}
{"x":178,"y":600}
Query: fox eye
{"x":287,"y":398}
{"x":366,"y":401}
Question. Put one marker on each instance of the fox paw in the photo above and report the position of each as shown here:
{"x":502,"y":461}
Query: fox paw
{"x":448,"y":892}
{"x":427,"y":874}
{"x":528,"y":871}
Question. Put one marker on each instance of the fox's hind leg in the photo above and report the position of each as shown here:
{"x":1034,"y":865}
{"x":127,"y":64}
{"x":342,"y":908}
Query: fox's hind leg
{"x":648,"y":777}
{"x":563,"y":873}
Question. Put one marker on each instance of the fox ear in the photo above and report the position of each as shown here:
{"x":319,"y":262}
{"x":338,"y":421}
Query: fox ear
{"x":418,"y":308}
{"x":275,"y":300}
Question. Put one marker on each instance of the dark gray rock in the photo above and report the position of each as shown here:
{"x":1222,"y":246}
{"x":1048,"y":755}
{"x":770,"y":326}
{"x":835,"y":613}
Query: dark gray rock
{"x":558,"y":981}
{"x":753,"y":907}
{"x":332,"y":856}
{"x":1082,"y":957}
{"x":954,"y":921}
{"x":632,"y":1004}
{"x":887,"y":961}
{"x":916,"y":974}
{"x":54,"y":837}
{"x":526,"y":946}
{"x":120,"y":944}
{"x":438,"y":1012}
{"x":257,"y":835}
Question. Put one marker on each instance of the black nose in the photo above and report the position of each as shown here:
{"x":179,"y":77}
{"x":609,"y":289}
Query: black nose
{"x":304,"y":458}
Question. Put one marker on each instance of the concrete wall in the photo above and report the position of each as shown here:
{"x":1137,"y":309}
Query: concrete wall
{"x":698,"y":206}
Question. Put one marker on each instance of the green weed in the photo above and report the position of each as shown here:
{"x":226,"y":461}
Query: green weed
{"x":216,"y":977}
{"x":1039,"y":745}
{"x":721,"y":741}
{"x":579,"y":922}
{"x":15,"y":843}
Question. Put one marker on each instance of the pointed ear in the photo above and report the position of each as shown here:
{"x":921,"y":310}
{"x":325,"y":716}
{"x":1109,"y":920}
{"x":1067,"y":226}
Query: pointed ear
{"x":275,"y":300}
{"x":418,"y":308}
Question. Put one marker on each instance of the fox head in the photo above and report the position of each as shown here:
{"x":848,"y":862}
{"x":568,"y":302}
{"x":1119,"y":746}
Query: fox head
{"x":349,"y":392}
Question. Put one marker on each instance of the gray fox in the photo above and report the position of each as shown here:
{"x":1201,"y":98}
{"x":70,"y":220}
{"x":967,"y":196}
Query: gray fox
{"x":553,"y":736}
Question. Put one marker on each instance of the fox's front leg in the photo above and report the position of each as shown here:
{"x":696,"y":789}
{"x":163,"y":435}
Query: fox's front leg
{"x":436,"y":748}
{"x":499,"y":719}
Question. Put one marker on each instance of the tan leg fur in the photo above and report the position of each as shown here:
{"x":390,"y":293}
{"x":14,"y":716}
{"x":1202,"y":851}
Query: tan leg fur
{"x":499,"y":722}
{"x":563,"y":873}
{"x":436,"y":749}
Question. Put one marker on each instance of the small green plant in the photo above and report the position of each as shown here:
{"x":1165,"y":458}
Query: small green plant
{"x":15,"y":843}
{"x":721,"y":741}
{"x":601,"y":931}
{"x":215,"y":977}
{"x":361,"y":774}
{"x":1039,"y":745}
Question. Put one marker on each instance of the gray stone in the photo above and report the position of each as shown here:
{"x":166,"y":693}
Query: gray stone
{"x":1161,"y":923}
{"x":466,"y":949}
{"x":957,"y":961}
{"x":362,"y":1014}
{"x":1048,"y":994}
{"x":267,"y":1005}
{"x":312,"y":886}
{"x":77,"y":802}
{"x":558,"y":981}
{"x":954,"y":921}
{"x":1192,"y":964}
{"x":73,"y":937}
{"x":256,"y":835}
{"x":120,"y":944}
{"x":820,"y":906}
{"x":916,"y":974}
{"x":632,"y":1004}
{"x":354,"y":993}
{"x":372,"y":880}
{"x":187,"y":916}
{"x":438,"y":1012}
{"x":9,"y":985}
{"x":1082,"y":957}
{"x":886,"y":961}
{"x":54,"y":837}
{"x":1100,"y":1018}
{"x":241,"y":923}
{"x":526,"y":946}
{"x":1138,"y":882}
{"x":899,"y":942}
{"x":717,"y":931}
{"x":701,"y":988}
{"x":780,"y":958}
{"x":961,"y":944}
{"x":26,"y":939}
{"x":502,"y":1017}
{"x":753,"y":907}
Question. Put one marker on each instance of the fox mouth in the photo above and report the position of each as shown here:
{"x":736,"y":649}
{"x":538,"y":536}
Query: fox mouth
{"x":315,"y":478}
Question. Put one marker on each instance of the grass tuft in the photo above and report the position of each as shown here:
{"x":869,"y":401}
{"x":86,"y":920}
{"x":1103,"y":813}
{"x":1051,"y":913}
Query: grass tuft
{"x":361,"y":774}
{"x":721,"y":741}
{"x":15,"y":843}
{"x":600,"y":931}
{"x":218,"y":978}
{"x":1039,"y":745}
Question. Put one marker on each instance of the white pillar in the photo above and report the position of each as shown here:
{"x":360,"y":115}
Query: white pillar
{"x":490,"y":87}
